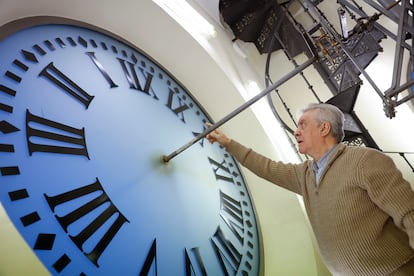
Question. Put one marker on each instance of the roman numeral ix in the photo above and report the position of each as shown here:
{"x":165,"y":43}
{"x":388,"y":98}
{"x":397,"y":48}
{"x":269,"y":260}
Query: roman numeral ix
{"x":221,"y":170}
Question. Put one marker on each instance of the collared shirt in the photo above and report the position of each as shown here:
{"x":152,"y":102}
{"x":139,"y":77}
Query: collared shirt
{"x":319,"y":167}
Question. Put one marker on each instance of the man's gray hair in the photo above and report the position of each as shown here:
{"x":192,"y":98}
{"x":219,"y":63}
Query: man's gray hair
{"x":328,"y":113}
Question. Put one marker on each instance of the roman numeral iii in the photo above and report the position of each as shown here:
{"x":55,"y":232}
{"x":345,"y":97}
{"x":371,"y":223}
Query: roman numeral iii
{"x":44,"y":135}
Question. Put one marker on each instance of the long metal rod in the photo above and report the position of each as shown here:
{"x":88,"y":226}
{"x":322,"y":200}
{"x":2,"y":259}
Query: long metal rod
{"x":300,"y":68}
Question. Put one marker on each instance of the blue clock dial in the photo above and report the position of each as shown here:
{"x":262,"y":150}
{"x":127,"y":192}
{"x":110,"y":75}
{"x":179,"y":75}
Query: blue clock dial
{"x":85,"y":119}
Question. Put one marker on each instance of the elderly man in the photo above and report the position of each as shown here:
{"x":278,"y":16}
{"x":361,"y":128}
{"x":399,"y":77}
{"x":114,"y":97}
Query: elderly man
{"x":360,"y":207}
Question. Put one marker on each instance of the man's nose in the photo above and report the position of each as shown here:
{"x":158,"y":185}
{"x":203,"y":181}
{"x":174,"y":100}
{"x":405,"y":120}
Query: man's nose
{"x":296,"y":133}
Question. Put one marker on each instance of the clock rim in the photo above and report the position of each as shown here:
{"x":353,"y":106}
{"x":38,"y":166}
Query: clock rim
{"x":20,"y":24}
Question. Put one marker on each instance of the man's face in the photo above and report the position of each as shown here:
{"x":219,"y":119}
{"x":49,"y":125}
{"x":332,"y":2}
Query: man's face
{"x":308,"y":132}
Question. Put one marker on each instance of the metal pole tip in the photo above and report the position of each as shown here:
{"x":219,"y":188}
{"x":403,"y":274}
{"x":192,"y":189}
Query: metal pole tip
{"x":165,"y":159}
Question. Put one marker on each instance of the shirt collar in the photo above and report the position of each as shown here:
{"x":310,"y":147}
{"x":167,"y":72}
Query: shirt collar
{"x":320,"y":165}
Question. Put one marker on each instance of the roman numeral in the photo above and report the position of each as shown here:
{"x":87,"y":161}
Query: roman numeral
{"x":231,"y":212}
{"x":150,"y":259}
{"x":227,"y":254}
{"x":201,"y":140}
{"x":221,"y":171}
{"x":57,"y":137}
{"x":133,"y":79}
{"x":61,"y":80}
{"x":179,"y":107}
{"x":190,"y":267}
{"x":101,"y":69}
{"x":68,"y":200}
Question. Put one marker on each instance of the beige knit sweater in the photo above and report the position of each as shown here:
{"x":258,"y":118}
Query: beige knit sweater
{"x":362,"y":211}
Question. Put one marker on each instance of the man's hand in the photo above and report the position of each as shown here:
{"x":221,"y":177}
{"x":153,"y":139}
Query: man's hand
{"x":218,"y":136}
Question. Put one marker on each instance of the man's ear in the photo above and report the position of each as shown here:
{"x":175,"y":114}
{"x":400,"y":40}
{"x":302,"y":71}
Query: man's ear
{"x":325,"y":128}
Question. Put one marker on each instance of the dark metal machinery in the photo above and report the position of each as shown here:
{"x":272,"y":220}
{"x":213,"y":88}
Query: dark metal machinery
{"x":343,"y":56}
{"x":401,"y":13}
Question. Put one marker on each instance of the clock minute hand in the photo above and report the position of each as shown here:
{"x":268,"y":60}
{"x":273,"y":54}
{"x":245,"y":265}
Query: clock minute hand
{"x":300,"y":68}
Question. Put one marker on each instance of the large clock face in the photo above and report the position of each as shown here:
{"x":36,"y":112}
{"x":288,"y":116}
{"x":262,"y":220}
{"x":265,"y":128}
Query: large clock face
{"x":85,"y":120}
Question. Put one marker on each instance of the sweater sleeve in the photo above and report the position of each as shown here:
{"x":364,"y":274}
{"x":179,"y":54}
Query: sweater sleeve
{"x":389,"y":190}
{"x":284,"y":175}
{"x":408,"y":226}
